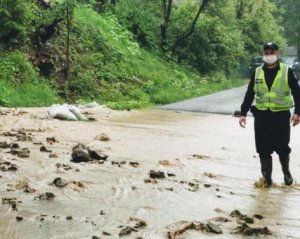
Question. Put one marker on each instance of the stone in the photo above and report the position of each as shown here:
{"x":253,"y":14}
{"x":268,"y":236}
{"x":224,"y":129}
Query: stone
{"x":14,"y":145}
{"x":150,"y":180}
{"x":69,"y":218}
{"x":51,"y":140}
{"x":102,"y":137}
{"x":59,"y":182}
{"x":97,"y":155}
{"x":19,"y":218}
{"x":206,"y":185}
{"x":236,"y":213}
{"x":134,"y":164}
{"x":44,"y":149}
{"x":80,"y":154}
{"x":258,"y":216}
{"x":4,"y":145}
{"x":12,"y":167}
{"x":214,"y":228}
{"x":156,"y":174}
{"x":22,"y":153}
{"x":125,"y":231}
{"x":53,"y":155}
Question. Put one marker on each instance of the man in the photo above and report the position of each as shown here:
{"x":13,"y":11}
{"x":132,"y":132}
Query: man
{"x":272,"y":85}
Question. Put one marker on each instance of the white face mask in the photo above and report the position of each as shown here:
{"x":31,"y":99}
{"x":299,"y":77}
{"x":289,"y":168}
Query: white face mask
{"x":270,"y":59}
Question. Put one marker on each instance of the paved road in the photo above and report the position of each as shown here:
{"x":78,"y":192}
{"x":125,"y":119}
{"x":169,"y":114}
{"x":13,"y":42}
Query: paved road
{"x":224,"y":102}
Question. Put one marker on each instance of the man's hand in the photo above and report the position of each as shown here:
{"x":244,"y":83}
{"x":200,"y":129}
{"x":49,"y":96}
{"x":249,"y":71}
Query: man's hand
{"x":243,"y":121}
{"x":295,"y":119}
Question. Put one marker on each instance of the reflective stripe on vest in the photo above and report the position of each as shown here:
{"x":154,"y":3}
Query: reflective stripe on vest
{"x":279,"y":96}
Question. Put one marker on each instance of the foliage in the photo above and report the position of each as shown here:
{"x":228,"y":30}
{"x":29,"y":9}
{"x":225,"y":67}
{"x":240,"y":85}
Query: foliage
{"x":15,"y":17}
{"x":20,"y":83}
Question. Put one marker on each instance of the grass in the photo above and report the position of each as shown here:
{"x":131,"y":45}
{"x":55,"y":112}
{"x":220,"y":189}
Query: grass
{"x":107,"y":66}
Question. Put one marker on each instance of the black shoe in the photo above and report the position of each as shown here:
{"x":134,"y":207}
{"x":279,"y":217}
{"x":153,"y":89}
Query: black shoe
{"x":285,"y":160}
{"x":266,"y":169}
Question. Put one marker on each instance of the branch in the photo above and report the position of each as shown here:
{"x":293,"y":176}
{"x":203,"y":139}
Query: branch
{"x":192,"y":28}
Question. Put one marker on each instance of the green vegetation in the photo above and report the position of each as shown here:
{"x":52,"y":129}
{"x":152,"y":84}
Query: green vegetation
{"x":20,"y":83}
{"x":126,"y":54}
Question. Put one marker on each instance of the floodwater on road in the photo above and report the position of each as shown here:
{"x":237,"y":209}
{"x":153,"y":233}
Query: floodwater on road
{"x":210,"y":163}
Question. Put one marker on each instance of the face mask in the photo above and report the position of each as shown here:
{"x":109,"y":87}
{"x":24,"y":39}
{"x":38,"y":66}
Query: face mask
{"x":270,"y":59}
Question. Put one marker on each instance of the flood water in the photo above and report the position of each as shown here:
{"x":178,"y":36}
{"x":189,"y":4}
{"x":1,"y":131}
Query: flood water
{"x":212,"y":159}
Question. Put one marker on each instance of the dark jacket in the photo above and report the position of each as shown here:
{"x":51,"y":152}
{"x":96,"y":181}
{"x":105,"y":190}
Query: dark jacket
{"x":270,"y":75}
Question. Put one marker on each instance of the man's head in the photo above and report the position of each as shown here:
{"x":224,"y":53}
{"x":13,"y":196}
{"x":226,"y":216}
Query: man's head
{"x":270,"y":53}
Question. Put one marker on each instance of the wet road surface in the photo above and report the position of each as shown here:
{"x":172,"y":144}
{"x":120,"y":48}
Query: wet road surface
{"x":223,"y":102}
{"x":212,"y":158}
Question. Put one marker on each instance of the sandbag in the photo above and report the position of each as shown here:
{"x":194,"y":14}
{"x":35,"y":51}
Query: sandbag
{"x":65,"y":112}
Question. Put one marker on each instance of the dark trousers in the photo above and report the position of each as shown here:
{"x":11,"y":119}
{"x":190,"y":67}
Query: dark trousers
{"x":272,"y":132}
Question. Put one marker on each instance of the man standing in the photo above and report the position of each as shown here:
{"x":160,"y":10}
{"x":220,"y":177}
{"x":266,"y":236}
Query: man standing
{"x":272,"y":86}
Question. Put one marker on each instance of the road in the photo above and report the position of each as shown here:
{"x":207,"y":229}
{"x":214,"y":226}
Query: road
{"x":209,"y":162}
{"x":224,"y":102}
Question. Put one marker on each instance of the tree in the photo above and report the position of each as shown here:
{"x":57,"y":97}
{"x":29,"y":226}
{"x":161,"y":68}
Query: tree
{"x":191,"y":29}
{"x":243,"y":6}
{"x":291,"y":21}
{"x":15,"y":16}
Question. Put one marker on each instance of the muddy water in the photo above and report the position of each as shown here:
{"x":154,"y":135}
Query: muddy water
{"x":213,"y":160}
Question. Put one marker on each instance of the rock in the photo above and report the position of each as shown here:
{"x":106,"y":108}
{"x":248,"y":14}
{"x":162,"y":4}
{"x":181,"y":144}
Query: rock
{"x":59,"y":182}
{"x":206,"y":185}
{"x":80,"y":154}
{"x":236,"y":213}
{"x":22,"y":153}
{"x":12,"y":167}
{"x":140,"y":224}
{"x":248,"y":220}
{"x":221,"y":219}
{"x":97,"y":155}
{"x":198,"y":156}
{"x":4,"y":145}
{"x":106,"y":233}
{"x":156,"y":174}
{"x":258,"y":216}
{"x":150,"y":180}
{"x":19,"y":218}
{"x":244,"y":229}
{"x":9,"y":200}
{"x":14,"y":206}
{"x":53,"y":155}
{"x":51,"y":140}
{"x":125,"y":231}
{"x":44,"y":149}
{"x":214,"y":228}
{"x":14,"y":145}
{"x":90,"y":118}
{"x":164,"y":163}
{"x":210,"y":175}
{"x":102,"y":137}
{"x":194,"y":186}
{"x":102,"y":212}
{"x":171,"y":175}
{"x":45,"y":196}
{"x":134,"y":164}
{"x":95,"y":237}
{"x":69,"y":218}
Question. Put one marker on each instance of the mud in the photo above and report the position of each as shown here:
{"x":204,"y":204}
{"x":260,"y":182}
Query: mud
{"x":209,"y":166}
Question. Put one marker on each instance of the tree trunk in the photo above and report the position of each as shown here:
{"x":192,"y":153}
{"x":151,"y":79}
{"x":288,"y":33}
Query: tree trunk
{"x":166,"y":8}
{"x":192,"y":27}
{"x":69,"y":19}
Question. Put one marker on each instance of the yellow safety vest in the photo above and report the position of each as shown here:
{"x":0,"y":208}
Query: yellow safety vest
{"x":279,"y":97}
